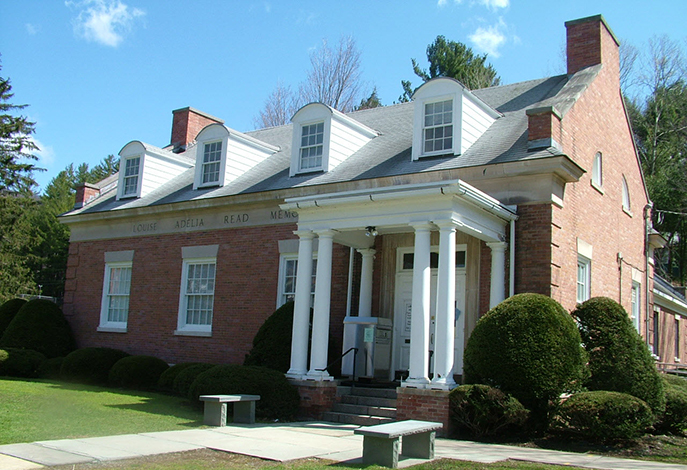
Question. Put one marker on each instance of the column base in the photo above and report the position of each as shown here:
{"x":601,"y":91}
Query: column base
{"x":296,"y":374}
{"x":318,"y":375}
{"x":443,"y":383}
{"x":421,"y":382}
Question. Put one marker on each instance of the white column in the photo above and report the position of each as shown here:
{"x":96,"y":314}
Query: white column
{"x":497,"y":293}
{"x":418,"y":374}
{"x":365,"y":303}
{"x":444,"y":346}
{"x":320,"y":322}
{"x":301,"y":308}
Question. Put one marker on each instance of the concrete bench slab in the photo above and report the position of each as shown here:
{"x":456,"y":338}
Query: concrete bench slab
{"x":382,"y":443}
{"x":215,"y":409}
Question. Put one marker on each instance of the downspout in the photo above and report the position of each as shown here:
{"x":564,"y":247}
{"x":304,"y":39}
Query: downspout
{"x":647,"y":226}
{"x":511,"y":268}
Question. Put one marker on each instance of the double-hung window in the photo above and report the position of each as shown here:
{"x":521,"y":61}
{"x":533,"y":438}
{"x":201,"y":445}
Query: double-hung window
{"x":114,"y":310}
{"x":212,"y":159}
{"x":312,"y":146}
{"x":636,"y":305}
{"x":438,"y":127}
{"x":597,"y":171}
{"x":132,"y":168}
{"x":584,"y":277}
{"x":197,"y":295}
{"x":287,"y":279}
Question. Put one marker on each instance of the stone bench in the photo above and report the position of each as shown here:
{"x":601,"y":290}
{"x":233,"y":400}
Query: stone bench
{"x":215,"y":412}
{"x":381,"y":443}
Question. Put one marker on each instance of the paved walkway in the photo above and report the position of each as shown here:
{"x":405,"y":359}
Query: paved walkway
{"x":281,"y":442}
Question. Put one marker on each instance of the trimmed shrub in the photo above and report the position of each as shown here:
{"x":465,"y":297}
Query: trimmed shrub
{"x":675,"y":381}
{"x":50,"y":369}
{"x":604,"y":416}
{"x":272,"y":343}
{"x":7,"y":312}
{"x":40,"y":325}
{"x":20,"y":362}
{"x":527,"y":346}
{"x":619,"y":361}
{"x":138,"y":372}
{"x":674,"y":418}
{"x":278,"y":398}
{"x":182,"y":382}
{"x":166,"y":381}
{"x":482,"y":411}
{"x":90,"y":365}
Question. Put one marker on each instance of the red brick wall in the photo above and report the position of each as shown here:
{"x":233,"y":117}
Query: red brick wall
{"x":533,"y":232}
{"x":316,"y":398}
{"x":245,"y":293}
{"x":424,"y":405}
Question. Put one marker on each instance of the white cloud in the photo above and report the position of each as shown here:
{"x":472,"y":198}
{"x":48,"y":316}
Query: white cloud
{"x":442,"y":3}
{"x":489,"y":39}
{"x":45,"y":153}
{"x":32,"y":29}
{"x":104,"y":21}
{"x":495,"y":4}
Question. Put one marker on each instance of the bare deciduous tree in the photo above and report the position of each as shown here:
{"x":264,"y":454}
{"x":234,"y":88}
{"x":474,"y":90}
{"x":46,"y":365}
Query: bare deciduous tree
{"x":334,"y":79}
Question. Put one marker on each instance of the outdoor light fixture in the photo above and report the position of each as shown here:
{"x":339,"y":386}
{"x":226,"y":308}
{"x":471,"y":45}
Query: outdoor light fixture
{"x":371,"y":231}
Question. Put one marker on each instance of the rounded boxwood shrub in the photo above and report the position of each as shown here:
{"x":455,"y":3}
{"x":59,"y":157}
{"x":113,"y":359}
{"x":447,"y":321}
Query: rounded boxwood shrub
{"x":182,"y":382}
{"x":674,"y":418}
{"x":619,"y":360}
{"x":50,"y":369}
{"x":139,"y":372}
{"x":674,"y":381}
{"x":90,"y":365}
{"x":166,"y":381}
{"x":20,"y":362}
{"x":527,"y":346}
{"x":481,"y":411}
{"x":39,"y":325}
{"x":7,"y":312}
{"x":278,"y":398}
{"x":604,"y":416}
{"x":272,"y":343}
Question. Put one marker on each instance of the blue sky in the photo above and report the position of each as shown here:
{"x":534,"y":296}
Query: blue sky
{"x":98,"y":74}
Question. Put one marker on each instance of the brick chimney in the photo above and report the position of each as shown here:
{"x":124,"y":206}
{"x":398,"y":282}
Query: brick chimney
{"x":186,"y":124}
{"x":84,"y":194}
{"x":590,"y":41}
{"x":543,"y":127}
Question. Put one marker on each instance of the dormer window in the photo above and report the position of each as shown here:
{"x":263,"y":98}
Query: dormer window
{"x":131,"y":173}
{"x":438,"y":129}
{"x":312,"y":145}
{"x":212,"y":158}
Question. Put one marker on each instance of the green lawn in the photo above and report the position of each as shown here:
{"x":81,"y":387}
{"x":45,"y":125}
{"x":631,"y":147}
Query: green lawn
{"x":33,"y":410}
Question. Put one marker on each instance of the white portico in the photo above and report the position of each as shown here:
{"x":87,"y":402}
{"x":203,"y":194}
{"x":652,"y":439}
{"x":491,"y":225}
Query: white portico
{"x":421,"y":209}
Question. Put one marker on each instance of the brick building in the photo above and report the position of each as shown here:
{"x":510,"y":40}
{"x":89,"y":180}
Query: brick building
{"x":399,"y":226}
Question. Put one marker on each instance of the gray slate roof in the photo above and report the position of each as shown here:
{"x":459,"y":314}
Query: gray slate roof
{"x":389,"y":154}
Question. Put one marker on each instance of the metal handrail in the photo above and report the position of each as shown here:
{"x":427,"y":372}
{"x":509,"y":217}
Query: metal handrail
{"x":355,"y":354}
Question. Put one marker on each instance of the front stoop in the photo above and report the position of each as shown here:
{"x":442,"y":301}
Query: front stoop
{"x":363,"y":406}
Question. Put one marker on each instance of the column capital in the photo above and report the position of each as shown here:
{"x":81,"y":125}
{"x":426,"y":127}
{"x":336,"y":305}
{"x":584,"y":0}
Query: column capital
{"x":498,"y":246}
{"x":423,"y":226}
{"x":446,"y":224}
{"x":326,"y":233}
{"x":366,"y":251}
{"x":306,"y":234}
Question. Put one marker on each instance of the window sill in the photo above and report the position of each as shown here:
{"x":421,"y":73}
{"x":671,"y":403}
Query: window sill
{"x":627,"y":211}
{"x":111,"y":329}
{"x":598,"y":188}
{"x":202,"y":334}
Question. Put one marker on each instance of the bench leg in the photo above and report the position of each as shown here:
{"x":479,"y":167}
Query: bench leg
{"x":215,"y":414}
{"x":380,"y":451}
{"x":244,"y":412}
{"x":419,"y":445}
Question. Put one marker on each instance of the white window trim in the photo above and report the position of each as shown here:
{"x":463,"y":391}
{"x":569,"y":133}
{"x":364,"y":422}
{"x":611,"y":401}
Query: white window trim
{"x":597,"y":173}
{"x":453,"y":126}
{"x":636,"y":305}
{"x":627,"y":202}
{"x":419,"y":126}
{"x":586,"y":263}
{"x":139,"y":176}
{"x":283,"y":258}
{"x":326,"y":138}
{"x":209,"y":135}
{"x":184,"y":329}
{"x":222,"y":163}
{"x":105,"y":324}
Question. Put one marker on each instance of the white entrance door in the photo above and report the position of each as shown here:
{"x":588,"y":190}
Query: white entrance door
{"x":402,"y":309}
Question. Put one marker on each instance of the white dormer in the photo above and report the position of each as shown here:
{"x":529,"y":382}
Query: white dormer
{"x":223,"y":154}
{"x":143,"y":168}
{"x":324,"y":137}
{"x":448,"y":118}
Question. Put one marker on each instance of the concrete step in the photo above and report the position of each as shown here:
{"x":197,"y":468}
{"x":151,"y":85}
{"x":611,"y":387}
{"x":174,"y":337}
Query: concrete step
{"x":368,"y":401}
{"x":360,"y":420}
{"x":380,"y":411}
{"x":368,"y":392}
